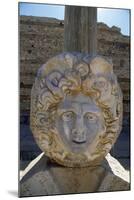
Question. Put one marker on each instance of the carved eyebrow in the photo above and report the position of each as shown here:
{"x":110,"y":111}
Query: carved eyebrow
{"x":78,"y":108}
{"x":94,"y":113}
{"x":63,"y":110}
{"x":90,"y":109}
{"x":60,"y":111}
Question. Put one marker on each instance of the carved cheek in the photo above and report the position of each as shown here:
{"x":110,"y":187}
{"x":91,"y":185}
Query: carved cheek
{"x":97,"y":128}
{"x":67,"y":129}
{"x":93,"y":128}
{"x":66,"y":124}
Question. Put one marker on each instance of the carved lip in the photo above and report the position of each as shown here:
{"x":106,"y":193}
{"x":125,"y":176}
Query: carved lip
{"x":79,"y":142}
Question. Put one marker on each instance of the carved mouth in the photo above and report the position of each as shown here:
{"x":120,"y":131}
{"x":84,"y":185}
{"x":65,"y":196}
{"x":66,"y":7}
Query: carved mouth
{"x":79,"y":142}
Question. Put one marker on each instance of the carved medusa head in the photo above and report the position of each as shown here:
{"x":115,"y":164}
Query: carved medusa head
{"x":76,"y":109}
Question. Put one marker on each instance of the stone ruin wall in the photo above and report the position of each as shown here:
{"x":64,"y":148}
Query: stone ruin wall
{"x":40,"y":39}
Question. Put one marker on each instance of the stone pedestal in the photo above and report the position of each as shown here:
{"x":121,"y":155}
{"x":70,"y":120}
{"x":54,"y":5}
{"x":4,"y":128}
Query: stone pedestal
{"x":76,"y":117}
{"x":43,"y":177}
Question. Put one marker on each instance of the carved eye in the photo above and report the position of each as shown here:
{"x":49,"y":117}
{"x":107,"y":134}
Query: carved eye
{"x":68,"y":116}
{"x":91,"y":117}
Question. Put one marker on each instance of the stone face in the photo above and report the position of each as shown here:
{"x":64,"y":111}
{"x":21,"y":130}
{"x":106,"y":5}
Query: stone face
{"x":76,"y":109}
{"x":42,"y":177}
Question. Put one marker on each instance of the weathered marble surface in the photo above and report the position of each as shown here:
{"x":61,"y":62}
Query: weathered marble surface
{"x":42,"y":177}
{"x":76,"y":109}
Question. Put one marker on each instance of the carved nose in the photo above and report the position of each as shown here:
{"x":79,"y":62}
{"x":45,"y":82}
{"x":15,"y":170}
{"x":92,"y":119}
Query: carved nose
{"x":79,"y":133}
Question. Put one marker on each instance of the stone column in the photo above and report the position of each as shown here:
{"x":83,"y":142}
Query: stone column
{"x":80,"y":33}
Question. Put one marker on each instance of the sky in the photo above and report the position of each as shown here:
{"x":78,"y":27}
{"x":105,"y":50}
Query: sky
{"x":111,"y":17}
